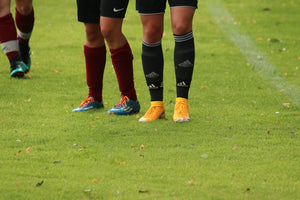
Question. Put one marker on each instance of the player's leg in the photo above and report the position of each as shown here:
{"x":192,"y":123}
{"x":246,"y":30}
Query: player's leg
{"x":184,"y":57}
{"x":152,"y":18}
{"x":153,"y":64}
{"x":25,"y":22}
{"x":112,"y":14}
{"x":94,"y":52}
{"x":8,"y":40}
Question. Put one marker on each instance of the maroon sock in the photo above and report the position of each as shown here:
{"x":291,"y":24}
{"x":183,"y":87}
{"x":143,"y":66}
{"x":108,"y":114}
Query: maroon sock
{"x":95,"y":59}
{"x":122,"y":62}
{"x":8,"y":36}
{"x":25,"y":25}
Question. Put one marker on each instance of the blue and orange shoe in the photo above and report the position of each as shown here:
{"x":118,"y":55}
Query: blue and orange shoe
{"x":125,"y":106}
{"x":87,"y":104}
{"x":17,"y":71}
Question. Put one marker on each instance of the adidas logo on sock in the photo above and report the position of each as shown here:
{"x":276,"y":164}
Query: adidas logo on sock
{"x":186,"y":63}
{"x":182,"y":84}
{"x":152,"y":75}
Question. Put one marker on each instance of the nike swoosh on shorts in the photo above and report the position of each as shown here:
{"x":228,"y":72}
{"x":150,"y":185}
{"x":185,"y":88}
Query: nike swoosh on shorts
{"x":118,"y":10}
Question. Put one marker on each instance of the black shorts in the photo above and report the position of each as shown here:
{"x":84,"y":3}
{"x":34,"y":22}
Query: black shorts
{"x":89,"y":11}
{"x":159,"y":6}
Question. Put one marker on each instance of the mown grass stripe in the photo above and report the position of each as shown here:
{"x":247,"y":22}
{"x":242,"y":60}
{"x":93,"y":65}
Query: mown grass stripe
{"x":251,"y":52}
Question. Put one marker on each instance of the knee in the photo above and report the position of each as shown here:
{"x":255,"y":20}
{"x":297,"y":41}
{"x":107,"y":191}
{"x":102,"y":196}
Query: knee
{"x":93,"y":37}
{"x":181,"y":28}
{"x":152,"y":33}
{"x":108,"y":32}
{"x":94,"y":41}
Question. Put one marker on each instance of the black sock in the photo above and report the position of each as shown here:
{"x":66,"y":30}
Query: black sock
{"x":184,"y":58}
{"x":13,"y":62}
{"x":153,"y":64}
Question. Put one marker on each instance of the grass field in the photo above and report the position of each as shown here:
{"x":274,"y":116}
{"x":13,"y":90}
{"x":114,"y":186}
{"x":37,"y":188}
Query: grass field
{"x":242,"y":141}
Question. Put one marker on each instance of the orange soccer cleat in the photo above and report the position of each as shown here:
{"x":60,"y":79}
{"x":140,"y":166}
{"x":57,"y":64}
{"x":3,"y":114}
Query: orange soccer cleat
{"x":181,"y":112}
{"x":156,"y":111}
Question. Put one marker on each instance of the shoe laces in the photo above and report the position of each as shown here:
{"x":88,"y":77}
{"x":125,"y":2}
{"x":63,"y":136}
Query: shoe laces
{"x":150,"y":111}
{"x":86,"y":101}
{"x":123,"y":101}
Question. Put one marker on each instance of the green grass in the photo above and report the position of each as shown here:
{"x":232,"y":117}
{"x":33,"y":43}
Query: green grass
{"x":241,"y":143}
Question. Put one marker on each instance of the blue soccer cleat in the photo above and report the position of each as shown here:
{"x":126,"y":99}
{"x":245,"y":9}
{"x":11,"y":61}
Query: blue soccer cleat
{"x":125,"y":106}
{"x":87,"y":104}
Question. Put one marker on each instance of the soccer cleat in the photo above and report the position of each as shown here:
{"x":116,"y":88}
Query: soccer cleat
{"x":24,"y":50}
{"x":181,"y":112}
{"x":17,"y":71}
{"x":125,"y":106}
{"x":87,"y":104}
{"x":156,"y":111}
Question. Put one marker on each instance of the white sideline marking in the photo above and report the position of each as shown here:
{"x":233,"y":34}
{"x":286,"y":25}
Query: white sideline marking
{"x":251,"y":52}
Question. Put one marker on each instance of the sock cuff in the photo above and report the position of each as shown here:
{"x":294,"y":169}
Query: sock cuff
{"x":181,"y":99}
{"x":7,"y":17}
{"x":30,"y":15}
{"x":120,"y":53}
{"x":156,"y":44}
{"x":95,"y":50}
{"x":184,"y":37}
{"x":122,"y":48}
{"x":157,"y":103}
